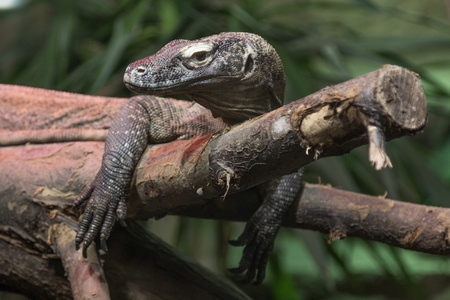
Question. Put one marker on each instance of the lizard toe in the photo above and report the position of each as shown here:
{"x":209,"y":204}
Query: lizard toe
{"x":108,"y":224}
{"x":86,"y":194}
{"x":84,"y":226}
{"x":121,"y":211}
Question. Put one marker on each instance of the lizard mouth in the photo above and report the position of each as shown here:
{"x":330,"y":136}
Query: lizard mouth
{"x":164,"y":89}
{"x":185,"y":86}
{"x":135,"y":88}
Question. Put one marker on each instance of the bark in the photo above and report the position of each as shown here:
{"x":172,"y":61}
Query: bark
{"x":39,"y":183}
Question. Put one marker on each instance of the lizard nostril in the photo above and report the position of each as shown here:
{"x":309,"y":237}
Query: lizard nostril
{"x":141,"y":70}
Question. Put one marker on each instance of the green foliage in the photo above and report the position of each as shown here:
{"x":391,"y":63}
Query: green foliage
{"x":84,"y":46}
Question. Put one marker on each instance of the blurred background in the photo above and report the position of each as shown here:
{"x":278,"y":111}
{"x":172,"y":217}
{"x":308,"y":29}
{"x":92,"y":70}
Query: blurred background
{"x":84,"y":47}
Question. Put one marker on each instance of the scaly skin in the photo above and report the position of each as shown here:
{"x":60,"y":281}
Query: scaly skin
{"x":236,"y":76}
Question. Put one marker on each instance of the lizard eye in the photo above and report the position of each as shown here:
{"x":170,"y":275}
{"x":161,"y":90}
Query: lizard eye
{"x":197,"y":55}
{"x":200,"y":56}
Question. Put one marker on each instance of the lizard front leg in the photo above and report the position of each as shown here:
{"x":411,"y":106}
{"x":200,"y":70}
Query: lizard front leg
{"x":126,"y":141}
{"x":142,"y":120}
{"x":261,"y":230}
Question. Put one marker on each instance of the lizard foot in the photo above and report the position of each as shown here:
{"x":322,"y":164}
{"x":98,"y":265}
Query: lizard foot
{"x":262,"y":228}
{"x":100,"y":213}
{"x":258,"y":239}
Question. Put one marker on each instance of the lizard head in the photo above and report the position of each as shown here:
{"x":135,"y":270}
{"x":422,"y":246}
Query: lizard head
{"x":236,"y":75}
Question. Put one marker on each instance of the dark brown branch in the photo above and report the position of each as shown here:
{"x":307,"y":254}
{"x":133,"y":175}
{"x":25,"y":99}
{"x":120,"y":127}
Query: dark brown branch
{"x":30,"y":272}
{"x":160,"y":269}
{"x":342,"y":213}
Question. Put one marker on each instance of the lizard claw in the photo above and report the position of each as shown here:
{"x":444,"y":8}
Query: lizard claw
{"x":99,"y":216}
{"x":83,"y":227}
{"x":85,"y":246}
{"x":103,"y":244}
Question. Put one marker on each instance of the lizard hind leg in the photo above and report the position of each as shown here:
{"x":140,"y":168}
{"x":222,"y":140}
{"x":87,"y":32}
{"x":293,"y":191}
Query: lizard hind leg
{"x":260,"y":232}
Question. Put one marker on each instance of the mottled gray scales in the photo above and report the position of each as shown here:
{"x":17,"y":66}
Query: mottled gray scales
{"x":233,"y":76}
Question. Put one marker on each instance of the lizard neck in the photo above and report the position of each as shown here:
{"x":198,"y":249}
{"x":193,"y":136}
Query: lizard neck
{"x":239,"y":101}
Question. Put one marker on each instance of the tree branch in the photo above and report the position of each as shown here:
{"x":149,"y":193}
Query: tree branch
{"x":342,"y":213}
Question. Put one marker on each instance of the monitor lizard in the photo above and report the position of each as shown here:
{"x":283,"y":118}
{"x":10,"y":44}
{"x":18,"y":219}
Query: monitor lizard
{"x":233,"y":76}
